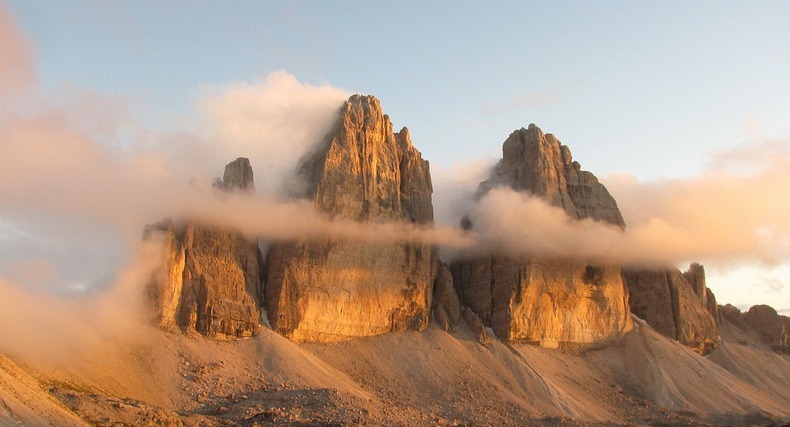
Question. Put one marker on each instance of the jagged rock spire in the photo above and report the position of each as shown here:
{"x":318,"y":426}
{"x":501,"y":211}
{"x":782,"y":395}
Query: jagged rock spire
{"x":211,"y":281}
{"x":537,"y":163}
{"x":552,"y":303}
{"x":325,"y":289}
{"x":238,"y":175}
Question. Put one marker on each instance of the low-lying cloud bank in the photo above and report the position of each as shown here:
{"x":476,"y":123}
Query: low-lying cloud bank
{"x":718,"y":218}
{"x":41,"y":327}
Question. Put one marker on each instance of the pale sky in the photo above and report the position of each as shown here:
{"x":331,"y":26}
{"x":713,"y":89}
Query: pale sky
{"x":663,"y":94}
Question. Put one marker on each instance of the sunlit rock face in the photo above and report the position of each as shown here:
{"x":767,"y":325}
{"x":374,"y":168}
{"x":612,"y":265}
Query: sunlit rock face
{"x":676,"y":304}
{"x":211,"y":282}
{"x":547,"y":302}
{"x":326,"y":289}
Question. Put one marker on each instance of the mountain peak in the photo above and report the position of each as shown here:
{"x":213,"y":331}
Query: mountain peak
{"x":539,"y":164}
{"x":238,"y":175}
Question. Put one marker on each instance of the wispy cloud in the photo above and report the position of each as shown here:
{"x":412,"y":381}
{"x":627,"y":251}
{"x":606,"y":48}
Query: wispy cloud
{"x":769,"y":284}
{"x":719,"y":217}
{"x":17,"y":72}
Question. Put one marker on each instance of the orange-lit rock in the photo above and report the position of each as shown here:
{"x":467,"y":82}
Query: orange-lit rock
{"x":210,"y":282}
{"x":325,"y":289}
{"x":551,"y":303}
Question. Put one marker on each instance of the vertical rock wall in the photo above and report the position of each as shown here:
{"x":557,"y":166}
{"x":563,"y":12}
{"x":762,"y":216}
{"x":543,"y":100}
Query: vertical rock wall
{"x":551,"y":303}
{"x":676,"y":304}
{"x":211,"y":281}
{"x":324,"y":289}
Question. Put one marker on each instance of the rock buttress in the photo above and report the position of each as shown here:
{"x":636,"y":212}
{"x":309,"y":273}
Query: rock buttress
{"x":211,"y":280}
{"x":326,"y":289}
{"x":551,"y":303}
{"x":678,"y":305}
{"x":770,"y":327}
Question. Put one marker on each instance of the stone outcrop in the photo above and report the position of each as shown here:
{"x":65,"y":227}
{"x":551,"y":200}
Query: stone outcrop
{"x":678,"y":305}
{"x":238,"y":176}
{"x":446,"y":305}
{"x":211,"y":281}
{"x":551,"y":303}
{"x":772,"y":328}
{"x":695,"y":275}
{"x":325,"y":289}
{"x":476,"y":325}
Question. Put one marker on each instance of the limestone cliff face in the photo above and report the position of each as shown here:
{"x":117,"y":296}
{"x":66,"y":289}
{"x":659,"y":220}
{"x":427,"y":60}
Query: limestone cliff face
{"x":211,"y":281}
{"x":328,"y":289}
{"x":551,"y":303}
{"x":771,"y":328}
{"x":676,"y":304}
{"x":537,"y":163}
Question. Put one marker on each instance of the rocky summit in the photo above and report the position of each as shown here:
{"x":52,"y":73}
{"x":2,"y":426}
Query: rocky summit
{"x":537,"y":163}
{"x":326,"y":289}
{"x":211,"y":279}
{"x":551,"y":303}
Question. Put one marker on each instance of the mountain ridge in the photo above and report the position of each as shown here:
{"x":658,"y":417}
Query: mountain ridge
{"x":324,"y":331}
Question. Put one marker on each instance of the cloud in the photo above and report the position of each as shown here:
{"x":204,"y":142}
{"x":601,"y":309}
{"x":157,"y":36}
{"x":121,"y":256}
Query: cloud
{"x":57,"y":330}
{"x":727,"y":216}
{"x":770,"y":284}
{"x":17,"y":72}
{"x":68,"y":189}
{"x":454,"y":188}
{"x":515,"y":223}
{"x":273,"y":122}
{"x":734,"y":212}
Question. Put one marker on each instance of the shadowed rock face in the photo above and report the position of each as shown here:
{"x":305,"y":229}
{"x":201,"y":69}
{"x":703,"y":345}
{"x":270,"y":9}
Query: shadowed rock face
{"x":676,"y":304}
{"x":238,"y":175}
{"x":551,"y":303}
{"x":211,"y":280}
{"x":772,"y":328}
{"x":329,"y":289}
{"x":537,"y":163}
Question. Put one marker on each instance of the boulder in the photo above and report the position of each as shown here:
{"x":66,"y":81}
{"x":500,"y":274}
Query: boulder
{"x":537,"y":163}
{"x":547,"y":302}
{"x":239,"y":176}
{"x":327,"y":289}
{"x":762,"y":322}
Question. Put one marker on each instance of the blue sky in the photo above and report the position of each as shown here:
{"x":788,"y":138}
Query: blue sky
{"x":660,"y":91}
{"x":645,"y":87}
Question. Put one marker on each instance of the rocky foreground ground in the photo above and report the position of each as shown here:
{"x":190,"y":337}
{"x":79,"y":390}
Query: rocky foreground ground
{"x":409,"y":378}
